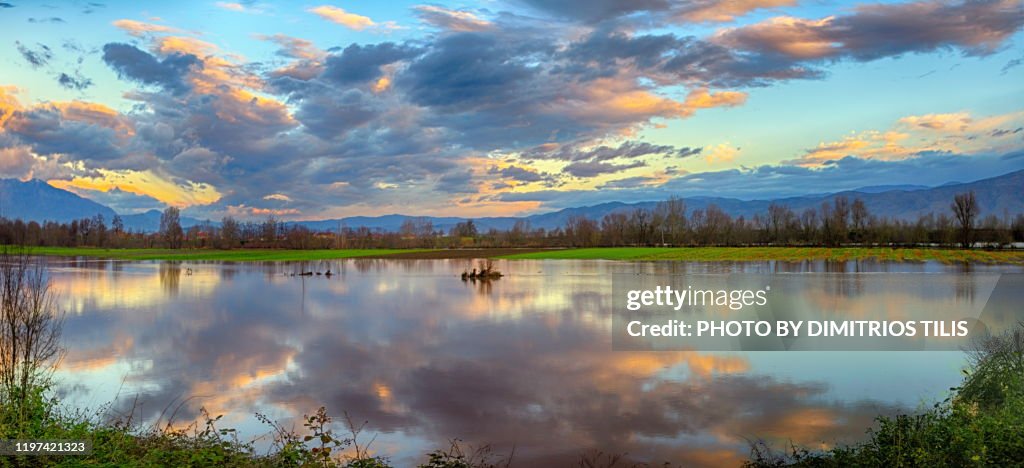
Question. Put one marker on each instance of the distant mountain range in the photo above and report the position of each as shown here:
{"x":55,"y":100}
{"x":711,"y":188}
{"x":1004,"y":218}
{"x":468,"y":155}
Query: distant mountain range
{"x":37,"y":200}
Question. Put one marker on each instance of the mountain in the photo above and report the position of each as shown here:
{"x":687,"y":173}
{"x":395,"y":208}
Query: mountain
{"x":150,"y":221}
{"x":36,"y":200}
{"x":889,"y":188}
{"x":996,"y":195}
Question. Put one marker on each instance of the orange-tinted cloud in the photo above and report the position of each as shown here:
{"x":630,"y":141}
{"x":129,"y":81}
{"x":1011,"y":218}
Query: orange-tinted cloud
{"x":956,"y":133}
{"x":342,"y":17}
{"x":140,"y":29}
{"x":728,"y":10}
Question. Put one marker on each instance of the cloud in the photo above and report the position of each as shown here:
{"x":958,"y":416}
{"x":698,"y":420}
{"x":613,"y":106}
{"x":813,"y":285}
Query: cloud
{"x":358,"y":63}
{"x":38,"y":56}
{"x":520,"y":174}
{"x":238,"y":7}
{"x":585,"y":169}
{"x":294,"y":47}
{"x":955,"y":122}
{"x":141,"y":29}
{"x":278,"y":197}
{"x":771,"y":181}
{"x":597,"y":11}
{"x":720,"y":153}
{"x":82,"y":131}
{"x":451,"y":20}
{"x":662,"y":11}
{"x":976,"y":27}
{"x":952,"y":133}
{"x":76,"y":82}
{"x":331,"y":116}
{"x":457,"y":182}
{"x":479,"y":102}
{"x":132,"y":63}
{"x":16,"y":162}
{"x":625,"y":150}
{"x":726,"y":10}
{"x":342,"y":17}
{"x":51,"y":19}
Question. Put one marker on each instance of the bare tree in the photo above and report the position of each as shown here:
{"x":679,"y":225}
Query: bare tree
{"x":581,"y":231}
{"x":170,"y":227}
{"x":672,"y":220}
{"x":965,"y":208}
{"x":30,"y":329}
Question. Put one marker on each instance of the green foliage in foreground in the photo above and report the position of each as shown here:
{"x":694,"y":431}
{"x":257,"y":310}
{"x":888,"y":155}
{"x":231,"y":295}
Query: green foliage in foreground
{"x":238,"y":255}
{"x":982,"y":424}
{"x":205,"y":444}
{"x":746,"y":254}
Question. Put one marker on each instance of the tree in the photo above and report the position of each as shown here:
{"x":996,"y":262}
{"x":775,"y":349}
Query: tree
{"x":118,"y":224}
{"x":780,"y":219}
{"x":99,"y":231}
{"x":965,"y":208}
{"x":229,"y":232}
{"x":671,"y":214}
{"x":170,"y":227}
{"x":464,"y":229}
{"x":614,"y":227}
{"x":30,"y":328}
{"x":641,"y":225}
{"x":581,"y":231}
{"x":268,"y":230}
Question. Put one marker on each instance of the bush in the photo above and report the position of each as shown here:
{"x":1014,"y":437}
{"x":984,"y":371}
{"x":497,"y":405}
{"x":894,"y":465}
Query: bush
{"x":981,"y":424}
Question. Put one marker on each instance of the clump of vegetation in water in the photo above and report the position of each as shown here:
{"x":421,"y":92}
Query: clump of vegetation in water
{"x":484,"y":272}
{"x":981,"y":424}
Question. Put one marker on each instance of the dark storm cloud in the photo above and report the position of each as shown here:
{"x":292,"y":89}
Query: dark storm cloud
{"x":331,"y":115}
{"x":670,"y":59}
{"x":47,"y":131}
{"x":358,"y":63}
{"x":584,"y":169}
{"x":471,"y":70}
{"x":457,"y":182}
{"x":627,"y":150}
{"x":520,"y":174}
{"x":593,"y":11}
{"x":37,"y":56}
{"x":135,"y":64}
{"x":974,"y":27}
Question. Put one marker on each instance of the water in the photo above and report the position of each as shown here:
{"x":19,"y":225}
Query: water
{"x":523,"y":362}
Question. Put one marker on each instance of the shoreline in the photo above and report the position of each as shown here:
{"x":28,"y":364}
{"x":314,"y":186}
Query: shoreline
{"x":685,"y":254}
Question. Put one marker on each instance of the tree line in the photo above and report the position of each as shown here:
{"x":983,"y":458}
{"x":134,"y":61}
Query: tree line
{"x":837,"y":223}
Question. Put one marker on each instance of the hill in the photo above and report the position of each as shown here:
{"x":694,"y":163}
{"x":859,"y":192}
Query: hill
{"x":36,"y":200}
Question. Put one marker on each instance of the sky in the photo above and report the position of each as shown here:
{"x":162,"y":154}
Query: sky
{"x":311,"y":110}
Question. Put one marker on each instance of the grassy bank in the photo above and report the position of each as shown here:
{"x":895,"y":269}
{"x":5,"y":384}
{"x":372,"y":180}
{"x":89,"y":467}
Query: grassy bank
{"x":692,"y":254}
{"x":745,"y":254}
{"x":236,"y":255}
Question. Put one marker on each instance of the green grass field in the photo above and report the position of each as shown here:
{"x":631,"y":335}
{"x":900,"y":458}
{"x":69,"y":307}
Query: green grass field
{"x":238,"y":255}
{"x":745,"y":254}
{"x":692,"y":254}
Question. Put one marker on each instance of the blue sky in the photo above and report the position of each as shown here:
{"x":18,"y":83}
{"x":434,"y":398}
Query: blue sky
{"x":306,"y":110}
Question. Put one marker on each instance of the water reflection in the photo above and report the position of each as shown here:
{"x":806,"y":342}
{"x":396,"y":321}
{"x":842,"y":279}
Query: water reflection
{"x":523,"y":361}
